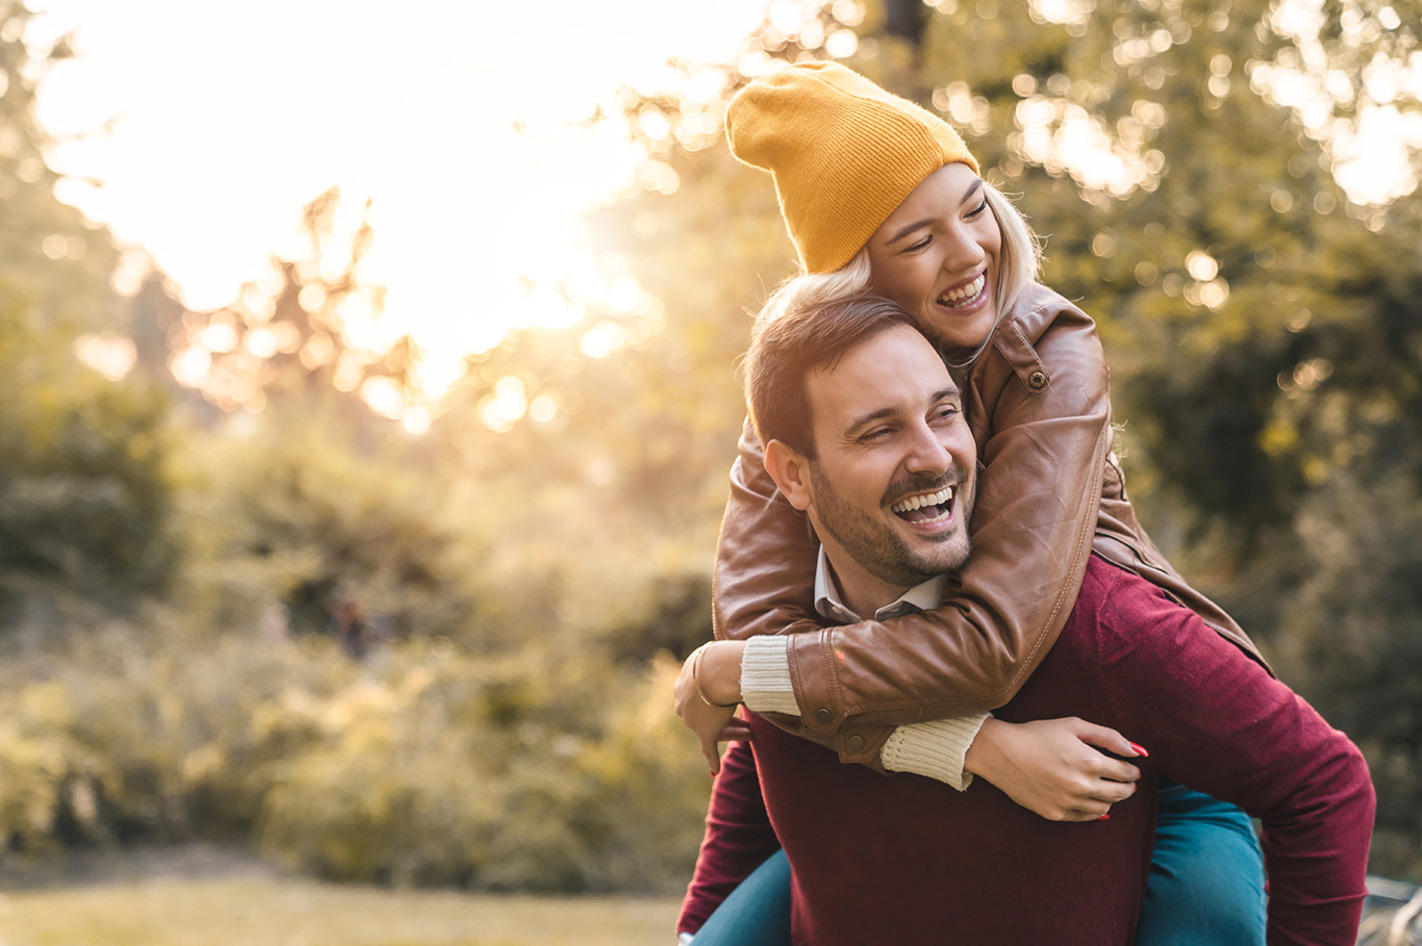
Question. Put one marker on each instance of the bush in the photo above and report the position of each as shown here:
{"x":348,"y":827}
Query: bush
{"x":425,"y":765}
{"x":496,"y":775}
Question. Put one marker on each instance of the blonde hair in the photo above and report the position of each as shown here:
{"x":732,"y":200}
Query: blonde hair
{"x":1018,"y":265}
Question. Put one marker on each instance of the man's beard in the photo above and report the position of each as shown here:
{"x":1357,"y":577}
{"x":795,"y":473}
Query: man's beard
{"x":872,"y":543}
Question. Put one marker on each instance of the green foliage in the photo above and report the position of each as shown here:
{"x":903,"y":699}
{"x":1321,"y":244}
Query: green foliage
{"x":1354,"y":634}
{"x":54,"y":264}
{"x":426,"y":765}
{"x":41,"y":761}
{"x":513,"y":775}
{"x":85,"y":493}
{"x":303,"y":510}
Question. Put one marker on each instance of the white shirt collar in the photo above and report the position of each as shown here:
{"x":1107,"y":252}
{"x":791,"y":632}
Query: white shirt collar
{"x":828,"y":602}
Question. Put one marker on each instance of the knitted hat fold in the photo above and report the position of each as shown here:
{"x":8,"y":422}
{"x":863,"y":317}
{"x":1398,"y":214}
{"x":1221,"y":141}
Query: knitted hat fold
{"x":844,"y":153}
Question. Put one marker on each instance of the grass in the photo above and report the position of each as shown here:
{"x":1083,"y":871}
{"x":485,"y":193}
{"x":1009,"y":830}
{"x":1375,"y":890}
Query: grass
{"x":276,"y":911}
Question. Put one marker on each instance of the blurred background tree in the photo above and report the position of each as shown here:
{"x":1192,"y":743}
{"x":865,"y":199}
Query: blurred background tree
{"x":530,"y":549}
{"x":85,"y":493}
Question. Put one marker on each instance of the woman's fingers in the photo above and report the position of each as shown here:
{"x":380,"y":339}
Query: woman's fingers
{"x":712,"y":754}
{"x":1104,"y":737}
{"x":1117,"y":771}
{"x":711,"y":724}
{"x":1109,"y":793}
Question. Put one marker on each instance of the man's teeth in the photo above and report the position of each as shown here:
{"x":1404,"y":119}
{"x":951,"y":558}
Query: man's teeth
{"x":955,"y":296}
{"x":941,"y":498}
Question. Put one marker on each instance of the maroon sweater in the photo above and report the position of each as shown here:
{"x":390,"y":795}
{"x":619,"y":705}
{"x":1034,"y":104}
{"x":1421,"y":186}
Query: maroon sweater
{"x":908,"y":860}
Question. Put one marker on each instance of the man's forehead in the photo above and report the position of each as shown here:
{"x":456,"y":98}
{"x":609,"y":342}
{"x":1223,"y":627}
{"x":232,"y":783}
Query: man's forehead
{"x":897,"y":369}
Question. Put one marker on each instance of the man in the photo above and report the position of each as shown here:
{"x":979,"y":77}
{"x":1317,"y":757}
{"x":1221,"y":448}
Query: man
{"x":863,"y":431}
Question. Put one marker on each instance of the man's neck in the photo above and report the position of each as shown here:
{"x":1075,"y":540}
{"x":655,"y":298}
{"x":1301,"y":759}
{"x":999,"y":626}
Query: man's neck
{"x":861,"y":591}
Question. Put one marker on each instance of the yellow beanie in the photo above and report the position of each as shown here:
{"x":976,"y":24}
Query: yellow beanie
{"x":844,"y":153}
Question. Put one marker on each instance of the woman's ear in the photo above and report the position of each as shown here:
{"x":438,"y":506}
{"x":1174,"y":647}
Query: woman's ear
{"x":791,"y":472}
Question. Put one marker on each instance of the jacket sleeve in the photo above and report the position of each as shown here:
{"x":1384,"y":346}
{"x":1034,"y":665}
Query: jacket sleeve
{"x":1040,"y":409}
{"x":738,"y":838}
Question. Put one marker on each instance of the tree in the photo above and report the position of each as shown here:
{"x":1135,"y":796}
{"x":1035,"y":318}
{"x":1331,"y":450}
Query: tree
{"x":84,"y":486}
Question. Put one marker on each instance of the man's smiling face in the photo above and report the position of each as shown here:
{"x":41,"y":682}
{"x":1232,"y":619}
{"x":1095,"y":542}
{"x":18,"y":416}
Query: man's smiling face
{"x":892,"y":484}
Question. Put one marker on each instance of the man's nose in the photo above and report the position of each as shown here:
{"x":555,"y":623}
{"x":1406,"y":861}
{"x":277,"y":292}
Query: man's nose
{"x":928,"y":452}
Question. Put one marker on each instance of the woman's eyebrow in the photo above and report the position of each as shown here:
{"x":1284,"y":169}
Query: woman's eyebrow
{"x":905,"y":230}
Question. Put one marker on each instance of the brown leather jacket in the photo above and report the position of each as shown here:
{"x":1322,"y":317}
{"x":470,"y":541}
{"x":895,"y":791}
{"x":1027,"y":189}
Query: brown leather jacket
{"x":1050,"y":492}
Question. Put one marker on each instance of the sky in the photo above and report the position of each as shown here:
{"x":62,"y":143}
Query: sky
{"x":198,"y":129}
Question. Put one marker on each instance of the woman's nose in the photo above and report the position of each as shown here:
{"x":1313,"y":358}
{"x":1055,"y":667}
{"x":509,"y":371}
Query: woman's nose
{"x":961,"y":250}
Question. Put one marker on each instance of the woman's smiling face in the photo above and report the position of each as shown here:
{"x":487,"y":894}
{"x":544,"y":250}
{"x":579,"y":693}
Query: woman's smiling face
{"x":937,"y":256}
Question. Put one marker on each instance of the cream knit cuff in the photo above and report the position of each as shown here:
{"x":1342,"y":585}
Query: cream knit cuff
{"x":766,"y":686}
{"x":934,"y":749}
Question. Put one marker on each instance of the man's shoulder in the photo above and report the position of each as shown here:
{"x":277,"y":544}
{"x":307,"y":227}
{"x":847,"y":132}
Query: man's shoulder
{"x":1113,"y":594}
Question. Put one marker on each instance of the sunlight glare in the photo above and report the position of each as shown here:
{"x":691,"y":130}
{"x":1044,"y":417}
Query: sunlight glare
{"x":478,"y":166}
{"x":191,"y":365}
{"x":416,"y":419}
{"x":436,"y":371}
{"x":506,"y":406}
{"x":384,"y":396}
{"x":543,"y":408}
{"x":110,"y":354}
{"x":1374,"y":155}
{"x":603,"y":339}
{"x":1201,"y":265}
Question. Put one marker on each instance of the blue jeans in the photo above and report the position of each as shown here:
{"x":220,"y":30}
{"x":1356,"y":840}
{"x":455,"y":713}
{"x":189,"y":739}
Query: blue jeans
{"x":1206,"y":875}
{"x":757,"y":913}
{"x":1206,"y":883}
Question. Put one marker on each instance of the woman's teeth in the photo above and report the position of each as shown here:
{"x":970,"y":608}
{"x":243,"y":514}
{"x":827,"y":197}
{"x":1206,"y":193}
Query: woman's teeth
{"x":962,"y":294}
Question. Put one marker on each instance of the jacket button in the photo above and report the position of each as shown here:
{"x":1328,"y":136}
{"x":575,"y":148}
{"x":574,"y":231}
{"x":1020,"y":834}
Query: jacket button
{"x":855,"y":743}
{"x":1037,"y":380}
{"x":824,"y":716}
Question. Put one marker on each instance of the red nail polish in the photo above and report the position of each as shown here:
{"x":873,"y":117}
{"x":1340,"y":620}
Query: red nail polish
{"x":1105,"y":817}
{"x":1140,"y":751}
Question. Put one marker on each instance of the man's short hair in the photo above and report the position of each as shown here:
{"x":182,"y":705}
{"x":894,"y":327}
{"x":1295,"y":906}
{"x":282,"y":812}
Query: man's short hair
{"x":792,"y":339}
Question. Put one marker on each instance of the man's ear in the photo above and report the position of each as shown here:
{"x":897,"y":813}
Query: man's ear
{"x":791,"y":472}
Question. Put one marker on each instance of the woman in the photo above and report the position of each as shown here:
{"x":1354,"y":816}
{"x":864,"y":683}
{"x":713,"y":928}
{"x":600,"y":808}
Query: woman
{"x":881,"y":195}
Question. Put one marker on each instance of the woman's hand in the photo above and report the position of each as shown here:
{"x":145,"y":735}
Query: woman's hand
{"x":708,"y":691}
{"x":1050,"y":766}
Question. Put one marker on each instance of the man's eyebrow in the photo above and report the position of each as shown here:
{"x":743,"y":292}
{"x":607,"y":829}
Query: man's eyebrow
{"x":909,"y":228}
{"x":864,"y":420}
